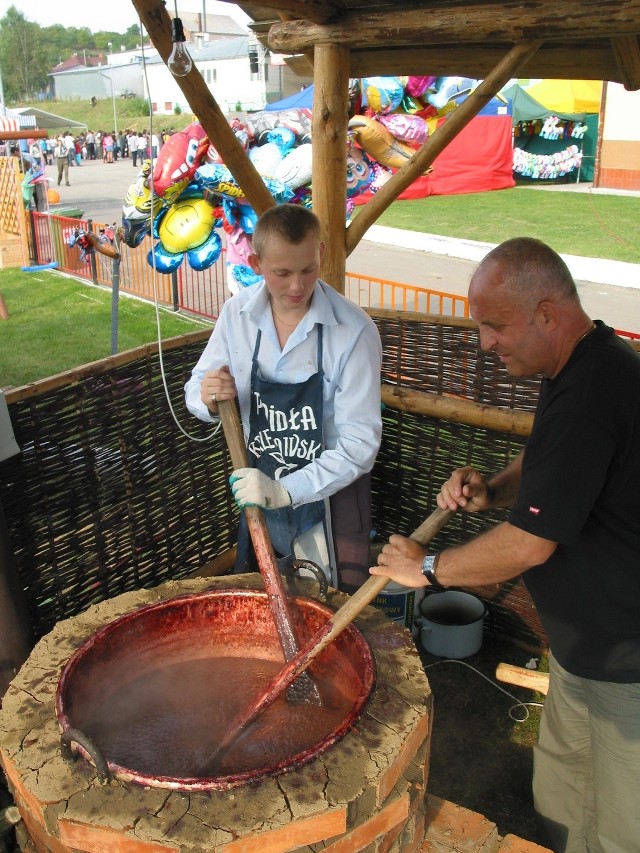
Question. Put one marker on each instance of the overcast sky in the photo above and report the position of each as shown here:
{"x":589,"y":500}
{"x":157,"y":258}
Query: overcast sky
{"x":114,"y":15}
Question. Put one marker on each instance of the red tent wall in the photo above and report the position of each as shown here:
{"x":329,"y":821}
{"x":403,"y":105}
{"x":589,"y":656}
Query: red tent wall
{"x":480,"y":158}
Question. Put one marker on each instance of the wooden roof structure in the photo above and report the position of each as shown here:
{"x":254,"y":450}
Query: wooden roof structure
{"x":341,"y":39}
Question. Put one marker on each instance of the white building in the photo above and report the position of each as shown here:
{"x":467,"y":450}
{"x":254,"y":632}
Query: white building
{"x":240,"y":74}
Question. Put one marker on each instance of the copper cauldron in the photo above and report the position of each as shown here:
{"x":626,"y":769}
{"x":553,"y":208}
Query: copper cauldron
{"x":149,"y":696}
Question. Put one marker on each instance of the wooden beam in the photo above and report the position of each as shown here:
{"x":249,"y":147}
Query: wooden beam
{"x":460,"y":24}
{"x":25,"y":133}
{"x":318,"y":11}
{"x":626,"y":50}
{"x":593,"y":61}
{"x":158,"y":25}
{"x":330,"y":117}
{"x":457,"y":409}
{"x":424,"y":157}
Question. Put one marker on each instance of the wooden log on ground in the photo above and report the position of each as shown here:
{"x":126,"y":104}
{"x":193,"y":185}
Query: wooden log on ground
{"x":521,"y":677}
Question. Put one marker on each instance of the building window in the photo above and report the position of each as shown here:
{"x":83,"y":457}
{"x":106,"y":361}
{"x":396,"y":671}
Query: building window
{"x":154,"y":107}
{"x":168,"y":105}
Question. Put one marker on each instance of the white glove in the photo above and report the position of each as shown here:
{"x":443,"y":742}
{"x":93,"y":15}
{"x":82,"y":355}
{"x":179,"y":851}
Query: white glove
{"x":251,"y":487}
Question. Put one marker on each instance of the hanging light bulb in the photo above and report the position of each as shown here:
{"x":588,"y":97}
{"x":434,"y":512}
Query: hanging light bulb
{"x":180,"y":63}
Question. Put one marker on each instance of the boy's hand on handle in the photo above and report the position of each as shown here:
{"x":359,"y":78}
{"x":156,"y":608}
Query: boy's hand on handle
{"x":217,"y":385}
{"x":465,"y":489}
{"x":253,"y":488}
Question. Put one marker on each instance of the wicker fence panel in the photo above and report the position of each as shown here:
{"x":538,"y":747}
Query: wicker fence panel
{"x":107,"y":494}
{"x":418,"y":453}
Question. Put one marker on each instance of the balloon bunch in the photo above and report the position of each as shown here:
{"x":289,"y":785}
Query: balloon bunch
{"x":392,"y":116}
{"x":188,"y":192}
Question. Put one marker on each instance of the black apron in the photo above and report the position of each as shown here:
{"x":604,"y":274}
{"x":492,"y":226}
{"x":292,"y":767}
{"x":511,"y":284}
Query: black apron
{"x":285,"y":434}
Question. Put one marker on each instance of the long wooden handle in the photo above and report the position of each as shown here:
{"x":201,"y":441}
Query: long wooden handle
{"x":259,"y":533}
{"x":376,"y":583}
{"x":338,"y":622}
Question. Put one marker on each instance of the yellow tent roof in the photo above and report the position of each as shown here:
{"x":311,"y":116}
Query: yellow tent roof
{"x":568,"y":96}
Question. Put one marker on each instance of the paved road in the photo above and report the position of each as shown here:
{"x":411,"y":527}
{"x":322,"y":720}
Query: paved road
{"x":98,"y":189}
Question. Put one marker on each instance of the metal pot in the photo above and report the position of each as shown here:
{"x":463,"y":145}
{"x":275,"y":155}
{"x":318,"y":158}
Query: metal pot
{"x":149,"y":696}
{"x":451,"y":623}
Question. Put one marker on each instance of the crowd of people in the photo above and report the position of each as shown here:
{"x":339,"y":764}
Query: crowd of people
{"x":105,"y":145}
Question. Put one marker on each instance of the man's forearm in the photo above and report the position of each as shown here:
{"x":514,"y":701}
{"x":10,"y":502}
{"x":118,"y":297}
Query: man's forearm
{"x":499,"y":554}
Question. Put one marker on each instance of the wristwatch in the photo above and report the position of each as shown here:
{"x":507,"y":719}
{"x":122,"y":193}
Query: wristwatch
{"x":429,"y":570}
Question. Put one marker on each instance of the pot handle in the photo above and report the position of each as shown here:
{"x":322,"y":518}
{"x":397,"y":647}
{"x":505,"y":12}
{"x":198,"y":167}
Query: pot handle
{"x":70,"y":736}
{"x":421,"y":623}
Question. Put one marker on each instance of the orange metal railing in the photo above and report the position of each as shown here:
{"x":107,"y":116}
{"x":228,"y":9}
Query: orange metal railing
{"x":203,"y":293}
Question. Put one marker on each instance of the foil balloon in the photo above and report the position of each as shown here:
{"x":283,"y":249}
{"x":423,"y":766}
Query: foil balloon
{"x":280,"y":192}
{"x":139,"y":208}
{"x":238,"y":216}
{"x":283,"y":137}
{"x":205,"y":255}
{"x":299,"y":121}
{"x":266,"y":158}
{"x":259,"y":125}
{"x":382,"y":94}
{"x":295,"y":169}
{"x":217,"y":178}
{"x":244,"y":275}
{"x":417,"y":86}
{"x":448,"y":88}
{"x":379,"y":143}
{"x":359,"y":171}
{"x":186,"y":225}
{"x":411,"y":129}
{"x":355,"y":96}
{"x":178,"y":160}
{"x":165,"y":262}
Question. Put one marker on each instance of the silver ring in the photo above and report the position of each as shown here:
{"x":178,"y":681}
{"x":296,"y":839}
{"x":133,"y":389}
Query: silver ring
{"x":213,"y":398}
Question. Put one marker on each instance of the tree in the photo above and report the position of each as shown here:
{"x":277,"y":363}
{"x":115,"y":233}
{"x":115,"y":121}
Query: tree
{"x":22,"y":55}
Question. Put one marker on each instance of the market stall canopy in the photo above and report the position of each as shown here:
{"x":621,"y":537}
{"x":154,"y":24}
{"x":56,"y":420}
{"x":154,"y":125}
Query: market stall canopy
{"x":580,"y":38}
{"x":48,"y":121}
{"x":568,"y":96}
{"x":299,"y":100}
{"x":526,"y":108}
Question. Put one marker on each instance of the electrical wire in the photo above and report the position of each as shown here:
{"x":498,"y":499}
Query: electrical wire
{"x":512,"y":710}
{"x":154,"y":277}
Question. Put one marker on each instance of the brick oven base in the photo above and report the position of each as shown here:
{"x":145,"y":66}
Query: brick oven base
{"x":364,"y":793}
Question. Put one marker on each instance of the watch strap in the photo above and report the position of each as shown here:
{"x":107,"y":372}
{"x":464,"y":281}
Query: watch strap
{"x":429,"y":570}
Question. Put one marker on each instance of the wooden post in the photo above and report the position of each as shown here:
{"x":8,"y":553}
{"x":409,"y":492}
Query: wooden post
{"x":330,"y":119}
{"x":158,"y":24}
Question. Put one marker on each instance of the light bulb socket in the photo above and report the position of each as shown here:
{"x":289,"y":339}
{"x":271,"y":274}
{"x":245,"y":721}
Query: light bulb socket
{"x":177,"y":30}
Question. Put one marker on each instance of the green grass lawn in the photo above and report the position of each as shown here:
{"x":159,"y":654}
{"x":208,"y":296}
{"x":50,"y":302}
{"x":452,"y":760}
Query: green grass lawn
{"x":594,"y":225}
{"x":56,"y":323}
